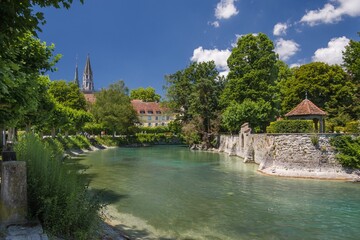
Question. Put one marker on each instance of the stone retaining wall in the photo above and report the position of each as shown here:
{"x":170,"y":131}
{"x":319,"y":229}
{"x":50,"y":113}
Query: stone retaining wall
{"x":293,"y":155}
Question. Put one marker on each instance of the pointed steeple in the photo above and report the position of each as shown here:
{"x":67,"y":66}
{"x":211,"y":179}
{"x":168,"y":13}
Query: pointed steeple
{"x":88,"y":82}
{"x":76,"y":77}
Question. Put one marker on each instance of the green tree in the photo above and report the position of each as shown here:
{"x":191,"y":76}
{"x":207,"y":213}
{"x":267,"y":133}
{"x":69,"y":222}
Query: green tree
{"x":114,"y":110}
{"x":253,"y":70}
{"x":68,"y":94}
{"x":145,"y":94}
{"x":351,"y":57}
{"x":252,"y":77}
{"x":19,"y":73}
{"x":329,"y":87}
{"x":194,"y":93}
{"x":255,"y":113}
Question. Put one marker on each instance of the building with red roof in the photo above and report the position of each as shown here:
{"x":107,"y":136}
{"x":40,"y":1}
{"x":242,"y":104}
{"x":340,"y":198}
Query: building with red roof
{"x":152,"y":114}
{"x":307,"y":110}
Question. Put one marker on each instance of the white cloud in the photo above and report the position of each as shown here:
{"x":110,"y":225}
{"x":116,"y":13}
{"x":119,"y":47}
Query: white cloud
{"x":332,"y":12}
{"x":215,"y":24}
{"x":286,"y":48}
{"x":218,"y":56}
{"x":333,"y":53}
{"x":295,"y":65}
{"x":280,"y":29}
{"x":225,"y":9}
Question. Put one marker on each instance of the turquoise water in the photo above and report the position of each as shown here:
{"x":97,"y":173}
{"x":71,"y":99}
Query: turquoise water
{"x":169,"y":192}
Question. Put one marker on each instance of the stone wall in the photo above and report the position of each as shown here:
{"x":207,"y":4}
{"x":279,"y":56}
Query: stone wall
{"x":293,"y":155}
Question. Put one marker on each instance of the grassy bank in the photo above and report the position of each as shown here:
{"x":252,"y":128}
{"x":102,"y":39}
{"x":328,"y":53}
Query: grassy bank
{"x":57,"y":194}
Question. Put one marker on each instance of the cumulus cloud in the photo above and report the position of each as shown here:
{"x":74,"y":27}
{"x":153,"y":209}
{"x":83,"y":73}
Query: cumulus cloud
{"x":215,"y":24}
{"x":286,"y":48}
{"x":280,"y":29}
{"x":332,"y":12}
{"x":225,"y":9}
{"x":218,"y":56}
{"x":333,"y":53}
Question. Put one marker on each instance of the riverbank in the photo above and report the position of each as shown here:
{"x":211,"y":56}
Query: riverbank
{"x":289,"y":155}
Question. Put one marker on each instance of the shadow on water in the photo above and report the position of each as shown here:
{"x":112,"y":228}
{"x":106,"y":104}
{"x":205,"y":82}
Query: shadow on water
{"x":132,"y":234}
{"x":107,"y":196}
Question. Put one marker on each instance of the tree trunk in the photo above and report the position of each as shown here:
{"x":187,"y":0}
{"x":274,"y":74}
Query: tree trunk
{"x":53,"y":132}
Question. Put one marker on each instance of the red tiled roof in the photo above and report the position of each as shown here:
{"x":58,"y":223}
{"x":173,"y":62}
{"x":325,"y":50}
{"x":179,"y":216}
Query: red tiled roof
{"x":90,"y":97}
{"x":306,"y":107}
{"x":139,"y":105}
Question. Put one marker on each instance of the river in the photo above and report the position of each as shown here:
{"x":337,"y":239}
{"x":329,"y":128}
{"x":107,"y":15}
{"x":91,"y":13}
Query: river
{"x":169,"y":192}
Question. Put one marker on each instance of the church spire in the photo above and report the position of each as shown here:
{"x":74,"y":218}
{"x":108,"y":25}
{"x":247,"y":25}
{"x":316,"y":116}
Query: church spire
{"x":76,"y":77}
{"x":88,"y":82}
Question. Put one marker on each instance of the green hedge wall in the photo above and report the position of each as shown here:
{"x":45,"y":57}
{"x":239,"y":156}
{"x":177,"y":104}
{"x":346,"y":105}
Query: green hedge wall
{"x":291,"y":126}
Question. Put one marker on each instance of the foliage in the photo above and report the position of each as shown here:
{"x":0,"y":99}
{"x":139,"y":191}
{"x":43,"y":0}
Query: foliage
{"x":291,"y":126}
{"x":70,"y":142}
{"x":93,"y":128}
{"x":253,"y":70}
{"x":18,"y":17}
{"x":20,"y":85}
{"x":352,"y":127}
{"x":57,"y":195}
{"x":194,"y":93}
{"x":351,"y":57}
{"x":158,"y":129}
{"x":348,"y":149}
{"x":145,"y":94}
{"x":68,"y":94}
{"x":315,"y":140}
{"x":113,"y":109}
{"x":327,"y":86}
{"x":255,"y":113}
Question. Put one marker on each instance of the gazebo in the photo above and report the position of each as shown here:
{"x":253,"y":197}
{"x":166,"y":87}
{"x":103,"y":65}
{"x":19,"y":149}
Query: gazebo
{"x":307,"y":110}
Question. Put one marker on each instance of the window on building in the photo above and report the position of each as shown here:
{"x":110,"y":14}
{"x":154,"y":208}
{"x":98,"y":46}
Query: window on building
{"x":149,"y":117}
{"x":163,"y":118}
{"x":149,"y":124}
{"x":142,"y":111}
{"x":158,"y":112}
{"x":156,"y":118}
{"x":167,"y":118}
{"x":156,"y":124}
{"x":162,"y":124}
{"x":150,"y":112}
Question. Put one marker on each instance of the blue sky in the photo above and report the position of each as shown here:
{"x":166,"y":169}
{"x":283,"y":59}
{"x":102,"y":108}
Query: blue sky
{"x":140,"y":41}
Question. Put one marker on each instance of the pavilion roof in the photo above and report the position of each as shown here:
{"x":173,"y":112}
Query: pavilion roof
{"x":306,"y":107}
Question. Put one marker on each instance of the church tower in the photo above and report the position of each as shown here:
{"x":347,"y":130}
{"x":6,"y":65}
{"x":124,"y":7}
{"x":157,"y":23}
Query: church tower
{"x":76,"y":77}
{"x":88,"y":81}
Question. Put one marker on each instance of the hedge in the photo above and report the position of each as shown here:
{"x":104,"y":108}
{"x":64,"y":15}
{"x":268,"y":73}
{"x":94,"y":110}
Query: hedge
{"x":291,"y":126}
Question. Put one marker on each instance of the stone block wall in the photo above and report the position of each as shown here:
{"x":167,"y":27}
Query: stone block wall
{"x":296,"y":155}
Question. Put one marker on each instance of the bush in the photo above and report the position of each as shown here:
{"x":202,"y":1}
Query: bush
{"x":348,"y":149}
{"x":70,"y":142}
{"x":352,"y":127}
{"x":57,"y":195}
{"x":291,"y":126}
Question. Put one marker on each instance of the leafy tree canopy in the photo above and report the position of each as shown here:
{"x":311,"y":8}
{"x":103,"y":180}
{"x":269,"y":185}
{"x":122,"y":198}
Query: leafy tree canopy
{"x":351,"y":57}
{"x":194,"y":93}
{"x":255,"y":113}
{"x":329,"y":87}
{"x":253,"y":70}
{"x":146,"y":94}
{"x":68,"y":94}
{"x":113,"y":108}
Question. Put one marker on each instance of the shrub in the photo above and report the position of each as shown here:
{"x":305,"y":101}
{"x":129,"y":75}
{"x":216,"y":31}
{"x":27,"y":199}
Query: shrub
{"x":57,"y":194}
{"x":352,"y":127}
{"x":348,"y":149}
{"x":291,"y":126}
